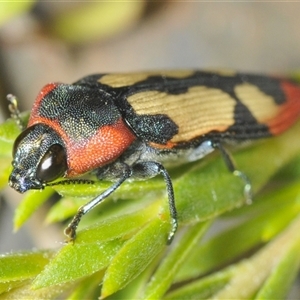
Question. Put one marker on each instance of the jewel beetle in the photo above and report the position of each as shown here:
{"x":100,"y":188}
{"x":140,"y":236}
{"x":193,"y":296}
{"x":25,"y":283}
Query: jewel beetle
{"x":135,"y":125}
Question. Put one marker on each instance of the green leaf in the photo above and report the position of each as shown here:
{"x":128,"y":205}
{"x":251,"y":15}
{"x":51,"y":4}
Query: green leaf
{"x":8,"y":133}
{"x":75,"y":261}
{"x":277,"y":286}
{"x":30,"y":203}
{"x":25,"y":292}
{"x":17,"y":271}
{"x":201,"y":289}
{"x":4,"y":170}
{"x":271,"y":267}
{"x":261,"y":265}
{"x":245,"y":235}
{"x":21,"y":266}
{"x":166,"y":272}
{"x":118,"y":226}
{"x":135,"y":256}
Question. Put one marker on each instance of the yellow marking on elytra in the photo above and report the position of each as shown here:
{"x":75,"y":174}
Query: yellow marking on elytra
{"x":196,"y":112}
{"x":261,"y":105}
{"x":127,"y":79}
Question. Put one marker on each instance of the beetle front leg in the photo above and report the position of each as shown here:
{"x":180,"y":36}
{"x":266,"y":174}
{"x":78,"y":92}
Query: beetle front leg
{"x":70,"y":231}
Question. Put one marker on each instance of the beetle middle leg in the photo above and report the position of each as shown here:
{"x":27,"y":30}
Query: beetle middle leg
{"x":148,"y":169}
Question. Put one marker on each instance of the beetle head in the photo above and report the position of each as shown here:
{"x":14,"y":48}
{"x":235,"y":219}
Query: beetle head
{"x":38,"y":157}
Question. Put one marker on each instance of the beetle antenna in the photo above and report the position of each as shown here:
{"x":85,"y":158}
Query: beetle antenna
{"x":71,"y":181}
{"x":14,"y":110}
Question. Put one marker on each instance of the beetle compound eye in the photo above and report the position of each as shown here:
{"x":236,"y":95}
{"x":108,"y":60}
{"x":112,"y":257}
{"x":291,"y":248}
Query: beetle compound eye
{"x":53,"y":164}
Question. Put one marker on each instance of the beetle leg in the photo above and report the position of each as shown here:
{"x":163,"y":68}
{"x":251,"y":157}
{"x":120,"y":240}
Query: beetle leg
{"x":70,"y":231}
{"x":231,"y":167}
{"x":150,"y":169}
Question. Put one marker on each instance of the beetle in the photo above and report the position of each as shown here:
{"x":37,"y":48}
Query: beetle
{"x":135,"y":125}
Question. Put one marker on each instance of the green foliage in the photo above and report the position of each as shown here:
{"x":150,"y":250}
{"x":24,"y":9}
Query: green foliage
{"x":121,"y":252}
{"x":89,"y":21}
{"x":10,"y":9}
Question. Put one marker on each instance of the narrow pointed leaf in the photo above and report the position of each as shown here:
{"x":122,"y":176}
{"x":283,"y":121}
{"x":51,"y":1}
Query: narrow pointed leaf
{"x":119,"y":226}
{"x":21,"y":266}
{"x":164,"y":276}
{"x":260,"y":266}
{"x":282,"y":277}
{"x":75,"y":261}
{"x":135,"y":256}
{"x":25,"y":292}
{"x":201,"y":289}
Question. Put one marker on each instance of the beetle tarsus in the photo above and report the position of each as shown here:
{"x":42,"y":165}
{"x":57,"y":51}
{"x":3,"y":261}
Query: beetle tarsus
{"x":70,"y":231}
{"x":248,"y":186}
{"x":231,"y":167}
{"x":173,"y":231}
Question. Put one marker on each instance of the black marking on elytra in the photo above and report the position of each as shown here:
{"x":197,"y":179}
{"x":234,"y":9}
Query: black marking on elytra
{"x":157,"y":128}
{"x":245,"y":127}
